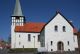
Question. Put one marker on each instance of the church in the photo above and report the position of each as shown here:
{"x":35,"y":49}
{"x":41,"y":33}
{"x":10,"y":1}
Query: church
{"x":56,"y":35}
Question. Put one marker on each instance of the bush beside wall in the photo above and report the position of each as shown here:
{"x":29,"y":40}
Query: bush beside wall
{"x":22,"y":50}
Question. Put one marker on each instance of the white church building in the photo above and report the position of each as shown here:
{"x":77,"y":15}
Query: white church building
{"x":56,"y":35}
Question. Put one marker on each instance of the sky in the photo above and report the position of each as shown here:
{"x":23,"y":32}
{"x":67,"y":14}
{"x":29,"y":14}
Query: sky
{"x":38,"y":11}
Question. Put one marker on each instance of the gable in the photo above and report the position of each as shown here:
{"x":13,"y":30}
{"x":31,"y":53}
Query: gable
{"x":59,"y":17}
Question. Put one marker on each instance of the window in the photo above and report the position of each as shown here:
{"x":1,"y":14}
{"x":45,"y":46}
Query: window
{"x":68,"y":49}
{"x":64,"y":28}
{"x":38,"y":37}
{"x":17,"y":23}
{"x":23,"y":46}
{"x":51,"y":49}
{"x":29,"y":37}
{"x":56,"y":28}
{"x":51,"y":42}
{"x":68,"y":42}
{"x":19,"y":43}
{"x":19,"y":35}
{"x":17,"y":17}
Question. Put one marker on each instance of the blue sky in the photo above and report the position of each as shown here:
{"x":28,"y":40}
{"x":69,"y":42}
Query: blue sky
{"x":38,"y":11}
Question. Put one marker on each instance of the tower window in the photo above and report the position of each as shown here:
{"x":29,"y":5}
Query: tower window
{"x":29,"y":37}
{"x":51,"y":42}
{"x":64,"y":29}
{"x":17,"y":23}
{"x":17,"y":17}
{"x":56,"y":28}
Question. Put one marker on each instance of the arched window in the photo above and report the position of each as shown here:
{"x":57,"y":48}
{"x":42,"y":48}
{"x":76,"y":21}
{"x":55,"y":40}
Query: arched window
{"x":51,"y":49}
{"x":68,"y":42}
{"x":56,"y":28}
{"x":19,"y":35}
{"x":64,"y":29}
{"x":29,"y":37}
{"x":51,"y":42}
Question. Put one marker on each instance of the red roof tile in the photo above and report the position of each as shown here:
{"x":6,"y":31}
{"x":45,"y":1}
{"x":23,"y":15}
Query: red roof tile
{"x":33,"y":27}
{"x":30,"y":27}
{"x":75,"y":30}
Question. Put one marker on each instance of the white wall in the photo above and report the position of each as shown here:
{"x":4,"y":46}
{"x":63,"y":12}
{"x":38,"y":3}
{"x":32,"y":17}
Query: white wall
{"x":12,"y":36}
{"x":23,"y":39}
{"x":51,"y":35}
{"x":76,"y":41}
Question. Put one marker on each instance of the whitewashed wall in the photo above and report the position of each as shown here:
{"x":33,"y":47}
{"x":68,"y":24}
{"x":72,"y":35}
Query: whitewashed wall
{"x":23,"y":39}
{"x":76,"y":41}
{"x":51,"y":35}
{"x":12,"y":36}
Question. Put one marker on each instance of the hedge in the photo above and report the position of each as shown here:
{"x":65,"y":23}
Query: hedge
{"x":16,"y":50}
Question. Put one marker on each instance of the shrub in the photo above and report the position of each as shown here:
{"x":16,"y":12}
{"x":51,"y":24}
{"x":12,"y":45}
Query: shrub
{"x":16,"y":50}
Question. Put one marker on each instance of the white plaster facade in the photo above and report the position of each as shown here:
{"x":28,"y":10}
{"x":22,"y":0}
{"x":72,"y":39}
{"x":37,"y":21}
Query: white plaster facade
{"x":50,"y":34}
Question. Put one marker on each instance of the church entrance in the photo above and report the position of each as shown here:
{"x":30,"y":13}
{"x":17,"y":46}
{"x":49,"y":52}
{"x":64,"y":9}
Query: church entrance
{"x":60,"y":46}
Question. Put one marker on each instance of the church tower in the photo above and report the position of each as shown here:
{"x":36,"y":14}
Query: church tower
{"x":17,"y":17}
{"x":17,"y":20}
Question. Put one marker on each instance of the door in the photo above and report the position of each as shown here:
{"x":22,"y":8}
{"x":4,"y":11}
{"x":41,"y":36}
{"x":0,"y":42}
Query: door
{"x":60,"y":46}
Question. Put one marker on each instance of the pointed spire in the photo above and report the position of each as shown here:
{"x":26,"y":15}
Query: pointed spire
{"x":17,"y":10}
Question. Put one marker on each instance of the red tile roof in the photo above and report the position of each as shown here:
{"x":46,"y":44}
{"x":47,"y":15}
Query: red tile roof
{"x":30,"y":27}
{"x":33,"y":27}
{"x":75,"y":30}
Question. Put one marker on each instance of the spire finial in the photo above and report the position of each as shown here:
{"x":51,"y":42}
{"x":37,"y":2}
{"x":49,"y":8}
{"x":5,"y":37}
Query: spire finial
{"x":17,"y":10}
